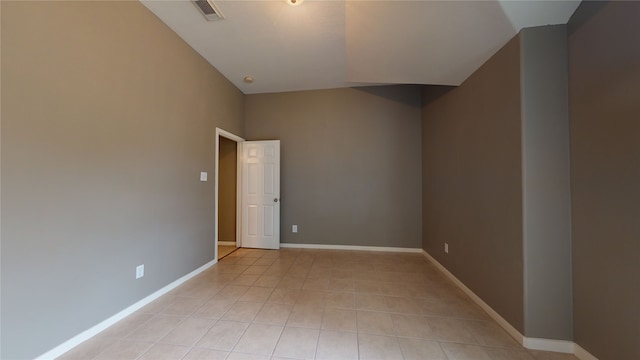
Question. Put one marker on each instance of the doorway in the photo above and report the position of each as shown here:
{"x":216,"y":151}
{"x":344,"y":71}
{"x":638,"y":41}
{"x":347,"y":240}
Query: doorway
{"x":247,"y":193}
{"x":226,"y":193}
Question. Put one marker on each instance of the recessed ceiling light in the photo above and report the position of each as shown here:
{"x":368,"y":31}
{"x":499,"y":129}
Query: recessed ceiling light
{"x":294,"y":2}
{"x":249,"y":79}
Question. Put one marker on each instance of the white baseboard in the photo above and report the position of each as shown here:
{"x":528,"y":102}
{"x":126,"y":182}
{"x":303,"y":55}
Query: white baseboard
{"x":93,"y":331}
{"x":582,"y":354}
{"x":227,"y":243}
{"x":561,"y":346}
{"x":350,"y":247}
{"x":492,"y":313}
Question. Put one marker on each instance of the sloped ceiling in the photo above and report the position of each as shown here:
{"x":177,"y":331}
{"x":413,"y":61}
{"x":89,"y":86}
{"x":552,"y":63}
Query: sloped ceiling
{"x":330,"y":44}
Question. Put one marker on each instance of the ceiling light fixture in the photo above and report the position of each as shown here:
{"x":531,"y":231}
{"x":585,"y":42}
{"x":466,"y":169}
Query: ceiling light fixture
{"x":294,"y":2}
{"x":249,"y":79}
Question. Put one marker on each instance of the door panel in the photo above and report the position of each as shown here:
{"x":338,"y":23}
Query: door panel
{"x":261,"y":194}
{"x":253,"y":221}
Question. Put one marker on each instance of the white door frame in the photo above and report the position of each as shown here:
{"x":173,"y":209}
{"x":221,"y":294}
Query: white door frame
{"x":261,"y":194}
{"x":239,"y":140}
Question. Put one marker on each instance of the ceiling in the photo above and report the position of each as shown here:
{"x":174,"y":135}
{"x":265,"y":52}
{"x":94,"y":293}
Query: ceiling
{"x":324,"y":44}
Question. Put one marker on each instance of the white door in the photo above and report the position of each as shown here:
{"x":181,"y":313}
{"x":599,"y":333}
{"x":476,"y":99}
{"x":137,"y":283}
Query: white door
{"x":261,"y":194}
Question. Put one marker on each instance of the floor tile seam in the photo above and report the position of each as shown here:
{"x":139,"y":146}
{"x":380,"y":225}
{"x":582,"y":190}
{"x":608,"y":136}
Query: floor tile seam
{"x":250,"y":353}
{"x":315,"y":353}
{"x":199,"y":338}
{"x":420,"y":339}
{"x":219,"y":349}
{"x":467,"y":330}
{"x":189,"y":348}
{"x":286,"y":325}
{"x":395,"y":312}
{"x":139,"y":327}
{"x":288,"y":315}
{"x":483,"y":347}
{"x":455,"y":342}
{"x":131,"y":341}
{"x":237,"y":341}
{"x":365,"y":332}
{"x":115,"y":341}
{"x":395,"y":338}
{"x":339,"y":330}
{"x":185,"y":315}
{"x":134,"y":329}
{"x":438,"y":340}
{"x":227,"y":310}
{"x":161,"y":337}
{"x":357,"y":338}
{"x":237,"y":301}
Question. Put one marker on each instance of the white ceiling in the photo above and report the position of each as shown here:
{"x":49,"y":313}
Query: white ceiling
{"x":336,"y":43}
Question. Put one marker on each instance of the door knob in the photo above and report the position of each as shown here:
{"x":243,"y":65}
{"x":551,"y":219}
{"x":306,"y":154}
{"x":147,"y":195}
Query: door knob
{"x":275,"y":200}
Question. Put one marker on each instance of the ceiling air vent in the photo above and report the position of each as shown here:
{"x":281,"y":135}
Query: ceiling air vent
{"x":209,"y":10}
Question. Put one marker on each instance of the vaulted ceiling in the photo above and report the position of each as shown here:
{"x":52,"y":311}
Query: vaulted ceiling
{"x":336,"y":43}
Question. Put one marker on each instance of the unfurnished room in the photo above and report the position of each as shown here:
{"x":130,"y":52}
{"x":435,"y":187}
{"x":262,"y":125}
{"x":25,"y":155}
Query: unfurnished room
{"x":320,"y":179}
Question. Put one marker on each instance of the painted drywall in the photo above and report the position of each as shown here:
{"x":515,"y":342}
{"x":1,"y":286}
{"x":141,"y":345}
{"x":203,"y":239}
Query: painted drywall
{"x":227,"y":192}
{"x":350,"y":163}
{"x":604,"y":88}
{"x":472,"y":181}
{"x":545,"y":183}
{"x":107,"y":120}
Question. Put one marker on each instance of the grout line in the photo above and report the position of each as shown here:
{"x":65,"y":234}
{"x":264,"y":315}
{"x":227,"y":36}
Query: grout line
{"x":308,"y":273}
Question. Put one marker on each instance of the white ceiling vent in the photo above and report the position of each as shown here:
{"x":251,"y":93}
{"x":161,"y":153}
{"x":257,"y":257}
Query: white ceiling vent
{"x":209,"y":10}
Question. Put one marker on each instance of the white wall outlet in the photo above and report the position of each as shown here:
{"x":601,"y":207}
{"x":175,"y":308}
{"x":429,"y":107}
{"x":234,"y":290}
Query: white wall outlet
{"x":446,"y":248}
{"x":139,"y":271}
{"x":203,"y":176}
{"x":294,"y":228}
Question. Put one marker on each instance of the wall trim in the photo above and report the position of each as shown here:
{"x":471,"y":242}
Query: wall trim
{"x":228,"y":135}
{"x":95,"y":330}
{"x":561,"y":346}
{"x":227,"y":243}
{"x":351,"y":247}
{"x":492,"y":313}
{"x":581,"y":353}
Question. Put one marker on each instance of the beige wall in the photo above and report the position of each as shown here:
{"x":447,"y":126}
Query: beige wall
{"x":227,"y":193}
{"x":472,"y":182}
{"x":604,"y":88}
{"x":107,"y":120}
{"x":350,"y":163}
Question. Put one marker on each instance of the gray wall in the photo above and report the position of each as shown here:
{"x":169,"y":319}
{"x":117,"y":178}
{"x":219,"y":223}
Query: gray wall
{"x":472,"y":183}
{"x":467,"y":181}
{"x":604,"y":88}
{"x":350,"y":163}
{"x":107,"y":120}
{"x":227,"y":192}
{"x":545,"y":177}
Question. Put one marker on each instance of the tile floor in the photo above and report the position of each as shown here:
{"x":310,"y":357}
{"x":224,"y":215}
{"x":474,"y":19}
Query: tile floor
{"x":311,"y":304}
{"x":224,"y":250}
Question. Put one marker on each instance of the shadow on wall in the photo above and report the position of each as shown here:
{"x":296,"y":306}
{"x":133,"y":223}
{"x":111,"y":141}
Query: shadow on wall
{"x":395,"y":93}
{"x":433,"y":92}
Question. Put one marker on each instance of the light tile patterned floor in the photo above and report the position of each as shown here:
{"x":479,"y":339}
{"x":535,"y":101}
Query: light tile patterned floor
{"x":311,"y":304}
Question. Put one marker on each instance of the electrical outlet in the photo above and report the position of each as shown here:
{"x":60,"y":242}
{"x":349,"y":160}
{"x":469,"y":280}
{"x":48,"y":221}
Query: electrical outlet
{"x":294,"y":228}
{"x":446,"y":248}
{"x":139,"y":271}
